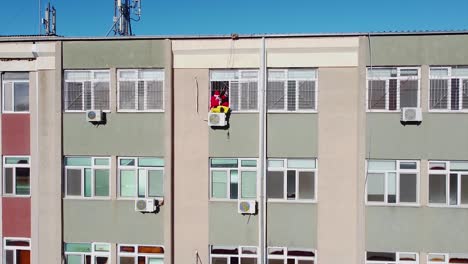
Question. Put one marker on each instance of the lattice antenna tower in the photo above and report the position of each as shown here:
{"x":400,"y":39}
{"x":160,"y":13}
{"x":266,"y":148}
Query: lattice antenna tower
{"x":49,"y":21}
{"x":125,"y":11}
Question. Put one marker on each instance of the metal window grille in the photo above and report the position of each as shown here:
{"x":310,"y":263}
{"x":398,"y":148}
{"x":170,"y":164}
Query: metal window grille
{"x":448,"y":89}
{"x":86,"y":90}
{"x":141,"y":90}
{"x":390,"y":89}
{"x":238,"y":88}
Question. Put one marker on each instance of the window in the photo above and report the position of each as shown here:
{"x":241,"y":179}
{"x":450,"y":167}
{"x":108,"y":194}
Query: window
{"x":448,"y":89}
{"x":238,"y":88}
{"x":292,"y":90}
{"x":17,"y":251}
{"x":391,"y":258}
{"x":141,"y":177}
{"x":282,"y":255}
{"x":233,"y":178}
{"x":15,"y":90}
{"x":448,"y":183}
{"x":87,"y":177}
{"x":86,"y":90}
{"x":16,"y":176}
{"x":440,"y":258}
{"x":390,"y":89}
{"x":140,"y":254}
{"x":292,"y":179}
{"x":141,"y":90}
{"x":392,"y":182}
{"x":87,"y":253}
{"x":233,"y":255}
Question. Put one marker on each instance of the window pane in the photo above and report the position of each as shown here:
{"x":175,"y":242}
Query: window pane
{"x":219,"y":260}
{"x":249,"y":184}
{"x":101,"y":161}
{"x":127,"y":95}
{"x":101,"y":182}
{"x":155,"y":95}
{"x":436,"y":257}
{"x":17,"y":160}
{"x":306,"y":185}
{"x":224,"y":163}
{"x":301,"y":163}
{"x":275,"y":163}
{"x":141,"y":183}
{"x":408,"y":93}
{"x":408,"y":165}
{"x":375,"y":187}
{"x":219,"y":184}
{"x":381,"y":256}
{"x":453,"y":189}
{"x":127,"y":183}
{"x":392,"y":94}
{"x":23,"y":257}
{"x":391,"y":187}
{"x":22,"y":181}
{"x":9,"y":257}
{"x":141,"y":95}
{"x":454,"y":94}
{"x":127,"y":260}
{"x":155,"y":261}
{"x":248,"y":261}
{"x":73,"y":96}
{"x":306,"y":95}
{"x":376,"y":94}
{"x":127,"y":162}
{"x":275,"y":187}
{"x":156,"y":180}
{"x":465,"y":94}
{"x":101,"y":260}
{"x":275,"y":261}
{"x":408,"y":188}
{"x":233,"y":90}
{"x":150,"y":162}
{"x":77,"y":161}
{"x":234,"y":184}
{"x":291,"y":96}
{"x":437,"y":166}
{"x":459,"y":166}
{"x":249,"y":163}
{"x":305,"y":262}
{"x":87,"y":183}
{"x":8,"y":181}
{"x":74,"y":182}
{"x":101,"y":95}
{"x":291,"y":185}
{"x":21,"y":100}
{"x":8,"y":96}
{"x":438,"y":98}
{"x":464,"y":189}
{"x":74,"y":259}
{"x":77,"y":247}
{"x":276,"y":95}
{"x":381,"y":165}
{"x":437,"y":188}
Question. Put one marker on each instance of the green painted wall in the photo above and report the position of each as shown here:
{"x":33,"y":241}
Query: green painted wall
{"x":228,"y":227}
{"x":124,"y":134}
{"x":417,"y":229}
{"x":292,"y":135}
{"x":440,"y":136}
{"x":419,"y":50}
{"x":110,"y":221}
{"x":240,"y":140}
{"x":292,"y":225}
{"x":113,"y":53}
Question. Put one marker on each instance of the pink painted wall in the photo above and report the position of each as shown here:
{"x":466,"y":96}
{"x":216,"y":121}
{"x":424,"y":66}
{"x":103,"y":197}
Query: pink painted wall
{"x":15,"y":134}
{"x":16,"y":217}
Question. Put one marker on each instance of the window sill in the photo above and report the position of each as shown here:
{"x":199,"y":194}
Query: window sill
{"x":448,"y":206}
{"x":140,"y":111}
{"x":292,"y":112}
{"x":87,"y":198}
{"x":392,"y":205}
{"x":16,"y":113}
{"x":82,"y":111}
{"x":278,"y":201}
{"x":448,"y":111}
{"x":383,"y":111}
{"x":16,"y":196}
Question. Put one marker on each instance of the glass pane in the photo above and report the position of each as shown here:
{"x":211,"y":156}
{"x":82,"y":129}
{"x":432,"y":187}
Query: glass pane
{"x":17,"y":242}
{"x":407,"y":256}
{"x":22,"y":181}
{"x":155,"y":95}
{"x":453,"y":189}
{"x":74,"y":182}
{"x":291,"y":185}
{"x":155,"y":261}
{"x":219,"y":184}
{"x":150,"y":162}
{"x":127,"y":95}
{"x":87,"y":183}
{"x":275,"y":185}
{"x":408,"y":165}
{"x":21,"y":100}
{"x":381,"y":256}
{"x":248,"y":261}
{"x":249,"y":250}
{"x":77,"y":161}
{"x":305,"y":262}
{"x":381,"y":165}
{"x":306,"y":97}
{"x":437,"y":188}
{"x":150,"y":249}
{"x":437,"y":166}
{"x":8,"y":96}
{"x":275,"y":261}
{"x":101,"y":182}
{"x":10,"y":257}
{"x":276,"y":95}
{"x":16,"y":160}
{"x":74,"y":259}
{"x":151,"y":74}
{"x":127,"y":162}
{"x":8,"y":181}
{"x":408,"y":188}
{"x":102,"y":247}
{"x":438,"y":95}
{"x":409,"y":93}
{"x":459,"y":166}
{"x":464,"y":189}
{"x":234,"y":184}
{"x":275,"y":163}
{"x":155,"y":182}
{"x":291,"y":102}
{"x":101,"y":161}
{"x":127,"y":260}
{"x":126,"y":249}
{"x":23,"y":257}
{"x":78,"y":247}
{"x":219,"y":260}
{"x":301,"y":163}
{"x":141,"y":183}
{"x":101,"y":95}
{"x":73,"y":96}
{"x":128,"y":74}
{"x":436,"y":257}
{"x":375,"y":187}
{"x":224,"y":163}
{"x":306,"y":185}
{"x":127,"y":183}
{"x":376,"y":94}
{"x":307,"y":74}
{"x":391,"y":187}
{"x":248,"y":163}
{"x":249,"y":184}
{"x":101,"y":260}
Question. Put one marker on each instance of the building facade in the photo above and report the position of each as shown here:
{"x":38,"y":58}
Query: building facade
{"x":315,"y":137}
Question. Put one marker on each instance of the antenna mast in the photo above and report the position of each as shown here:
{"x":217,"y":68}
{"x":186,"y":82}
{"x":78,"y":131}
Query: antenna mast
{"x":49,"y":21}
{"x":124,"y":11}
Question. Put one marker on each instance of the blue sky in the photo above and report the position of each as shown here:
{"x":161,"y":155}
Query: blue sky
{"x":178,"y":17}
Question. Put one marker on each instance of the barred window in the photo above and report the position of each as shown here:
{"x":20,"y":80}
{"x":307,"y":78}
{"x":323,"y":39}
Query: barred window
{"x":86,"y":90}
{"x":448,"y":89}
{"x":237,"y":89}
{"x":390,"y":89}
{"x":141,"y":90}
{"x":292,"y":90}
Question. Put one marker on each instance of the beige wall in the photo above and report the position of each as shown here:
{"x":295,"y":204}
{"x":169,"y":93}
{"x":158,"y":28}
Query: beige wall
{"x":191,"y":166}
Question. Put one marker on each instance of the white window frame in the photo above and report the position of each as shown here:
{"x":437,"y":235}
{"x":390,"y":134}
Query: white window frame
{"x":297,"y":80}
{"x":239,"y":184}
{"x":240,"y":80}
{"x":397,"y":172}
{"x":93,"y":252}
{"x":136,"y":80}
{"x":93,"y":167}
{"x":135,"y":254}
{"x":397,"y":257}
{"x":5,"y":165}
{"x":228,"y":256}
{"x":285,"y":256}
{"x":447,"y":257}
{"x":14,"y":248}
{"x":285,"y":170}
{"x":92,"y":80}
{"x":449,"y":78}
{"x":447,"y":173}
{"x":13,"y":97}
{"x":387,"y":84}
{"x":135,"y":168}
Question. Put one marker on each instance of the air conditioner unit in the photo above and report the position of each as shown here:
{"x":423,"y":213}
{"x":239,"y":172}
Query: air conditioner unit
{"x":217,"y":119}
{"x":145,"y":205}
{"x":411,"y":114}
{"x":247,"y":207}
{"x":94,"y":116}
